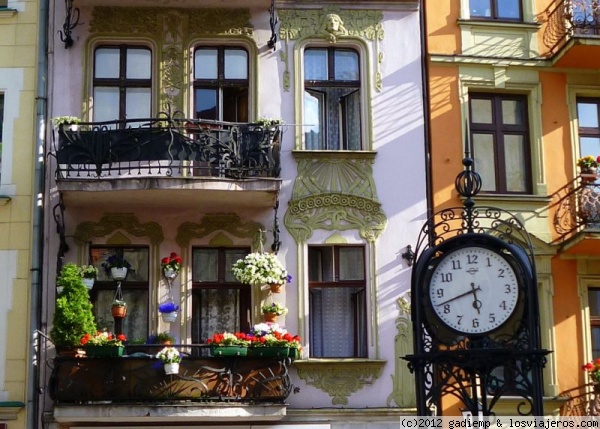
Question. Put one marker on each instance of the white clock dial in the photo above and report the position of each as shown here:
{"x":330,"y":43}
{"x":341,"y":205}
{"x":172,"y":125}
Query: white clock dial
{"x":473,"y":290}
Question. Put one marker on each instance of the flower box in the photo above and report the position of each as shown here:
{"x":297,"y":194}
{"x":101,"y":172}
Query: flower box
{"x":104,"y":351}
{"x":267,"y":351}
{"x":229,"y":351}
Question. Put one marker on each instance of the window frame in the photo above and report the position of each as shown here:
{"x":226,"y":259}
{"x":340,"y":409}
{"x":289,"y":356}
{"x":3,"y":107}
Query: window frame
{"x":245,"y":310}
{"x":593,"y":132}
{"x":221,"y":82}
{"x":316,"y":86}
{"x":336,"y":283}
{"x":122,"y":82}
{"x":499,"y":130}
{"x":494,"y":16}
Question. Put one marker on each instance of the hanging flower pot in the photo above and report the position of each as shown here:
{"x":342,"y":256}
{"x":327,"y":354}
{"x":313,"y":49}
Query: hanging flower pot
{"x":270,"y":317}
{"x":275,"y":287}
{"x":89,"y":282}
{"x":119,"y":309}
{"x":272,"y":311}
{"x":171,"y":368}
{"x":169,"y":317}
{"x":169,"y":273}
{"x":168,"y":311}
{"x":116,"y":267}
{"x":170,"y":358}
{"x":118,"y":273}
{"x":171,"y":265}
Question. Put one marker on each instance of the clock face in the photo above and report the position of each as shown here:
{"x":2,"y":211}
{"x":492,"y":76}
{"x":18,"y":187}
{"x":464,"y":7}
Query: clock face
{"x":473,"y":290}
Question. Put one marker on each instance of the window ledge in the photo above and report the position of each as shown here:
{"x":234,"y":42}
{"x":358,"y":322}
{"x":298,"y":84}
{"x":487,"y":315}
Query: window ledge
{"x":4,"y":200}
{"x":533,"y":26}
{"x":513,"y":198}
{"x":10,"y":409}
{"x":7,"y":13}
{"x":334,"y":154}
{"x":339,"y":378}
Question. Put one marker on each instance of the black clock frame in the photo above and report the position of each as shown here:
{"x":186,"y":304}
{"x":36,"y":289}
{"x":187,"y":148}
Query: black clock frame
{"x":476,"y":369}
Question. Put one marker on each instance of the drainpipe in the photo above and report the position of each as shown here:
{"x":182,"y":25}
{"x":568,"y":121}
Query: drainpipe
{"x":35,"y":384}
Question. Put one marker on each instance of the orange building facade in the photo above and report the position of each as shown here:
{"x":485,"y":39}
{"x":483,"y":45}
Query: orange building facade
{"x":515,"y":83}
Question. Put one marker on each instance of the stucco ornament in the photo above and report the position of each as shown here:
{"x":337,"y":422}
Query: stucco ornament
{"x":334,"y":27}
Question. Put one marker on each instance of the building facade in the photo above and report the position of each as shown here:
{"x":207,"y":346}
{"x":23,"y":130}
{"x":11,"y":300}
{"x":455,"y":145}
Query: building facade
{"x":218,"y":129}
{"x":513,"y":85}
{"x":20,"y":217}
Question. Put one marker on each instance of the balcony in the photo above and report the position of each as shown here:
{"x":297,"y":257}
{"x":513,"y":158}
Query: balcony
{"x":163,"y":159}
{"x":223,"y":387}
{"x":572,"y":33}
{"x":577,"y":215}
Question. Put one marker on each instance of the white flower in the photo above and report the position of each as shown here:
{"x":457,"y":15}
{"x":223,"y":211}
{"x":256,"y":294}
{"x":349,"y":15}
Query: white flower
{"x":169,"y":355}
{"x":259,"y":269}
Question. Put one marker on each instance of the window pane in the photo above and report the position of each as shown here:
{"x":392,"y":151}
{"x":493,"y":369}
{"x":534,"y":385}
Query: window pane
{"x":594,"y":302}
{"x":587,"y":114}
{"x":106,"y":103}
{"x":589,"y":146}
{"x":236,"y":64}
{"x":320,"y":264}
{"x":595,"y":333}
{"x":514,"y":153}
{"x":513,"y":112}
{"x":138,"y":102}
{"x":231,"y":256}
{"x":216,"y":310}
{"x":351,"y":120}
{"x":315,"y":64}
{"x":107,"y":63}
{"x":139,"y":64}
{"x":351,"y":263}
{"x":346,"y":65}
{"x":135,"y":325}
{"x":205,"y":64}
{"x":205,"y":265}
{"x":508,"y":9}
{"x":485,"y":160}
{"x":235,"y":104}
{"x":313,"y":120}
{"x":481,"y":8}
{"x":1,"y":122}
{"x":481,"y":111}
{"x":206,"y":104}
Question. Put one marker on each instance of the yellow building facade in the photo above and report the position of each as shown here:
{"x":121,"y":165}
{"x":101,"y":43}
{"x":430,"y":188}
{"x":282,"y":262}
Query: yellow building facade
{"x":18,"y":139}
{"x":514,"y":85}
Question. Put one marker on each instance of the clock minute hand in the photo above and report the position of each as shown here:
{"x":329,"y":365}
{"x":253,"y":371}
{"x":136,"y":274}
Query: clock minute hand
{"x":472,"y":291}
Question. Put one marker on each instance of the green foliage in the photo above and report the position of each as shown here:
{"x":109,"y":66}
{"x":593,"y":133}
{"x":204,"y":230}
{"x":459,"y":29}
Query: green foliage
{"x":73,"y":316}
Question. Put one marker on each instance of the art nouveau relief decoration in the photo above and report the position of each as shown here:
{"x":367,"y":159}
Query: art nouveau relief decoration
{"x":403,"y":384}
{"x":211,"y":223}
{"x":333,"y":25}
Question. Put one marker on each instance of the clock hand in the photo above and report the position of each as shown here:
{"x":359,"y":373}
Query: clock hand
{"x":473,"y":290}
{"x":476,"y":302}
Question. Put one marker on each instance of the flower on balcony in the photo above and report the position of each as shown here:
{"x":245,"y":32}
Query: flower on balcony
{"x":169,"y":355}
{"x":260,"y":269}
{"x":115,"y":261}
{"x":173,"y":261}
{"x":593,"y":369}
{"x":274,"y":307}
{"x":103,"y":338}
{"x":88,"y":271}
{"x":588,"y":162}
{"x":238,"y":339}
{"x":65,"y":120}
{"x":168,"y":307}
{"x":273,"y":335}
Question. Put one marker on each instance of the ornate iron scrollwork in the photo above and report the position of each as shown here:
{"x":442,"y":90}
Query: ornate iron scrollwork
{"x":71,"y":21}
{"x":273,"y":21}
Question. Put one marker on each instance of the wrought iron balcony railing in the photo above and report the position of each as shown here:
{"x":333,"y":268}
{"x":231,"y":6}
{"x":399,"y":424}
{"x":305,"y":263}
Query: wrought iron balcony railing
{"x":167,"y":147}
{"x":569,"y":18}
{"x":141,"y":378}
{"x":577,"y":206}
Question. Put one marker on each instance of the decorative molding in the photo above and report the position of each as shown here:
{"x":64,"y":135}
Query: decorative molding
{"x":334,"y":195}
{"x":339,"y":379}
{"x":403,"y":393}
{"x":331,"y":24}
{"x":112,"y":222}
{"x":228,"y":222}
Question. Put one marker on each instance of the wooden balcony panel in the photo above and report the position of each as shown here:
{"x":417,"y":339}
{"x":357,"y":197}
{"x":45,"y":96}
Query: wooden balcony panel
{"x":131,"y":379}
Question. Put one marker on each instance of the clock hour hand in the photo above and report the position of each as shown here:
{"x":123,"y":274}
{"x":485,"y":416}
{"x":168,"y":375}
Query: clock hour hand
{"x":476,"y":302}
{"x":472,"y":291}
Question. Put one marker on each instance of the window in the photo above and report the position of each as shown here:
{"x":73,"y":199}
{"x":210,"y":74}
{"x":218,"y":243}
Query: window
{"x":332,"y":99}
{"x":122,"y":83}
{"x":588,"y":115}
{"x":594,"y":305}
{"x":221,"y":84}
{"x":337,"y":300}
{"x":134,"y":289}
{"x":1,"y":127}
{"x":496,"y":9}
{"x":500,"y":142}
{"x":219,"y":302}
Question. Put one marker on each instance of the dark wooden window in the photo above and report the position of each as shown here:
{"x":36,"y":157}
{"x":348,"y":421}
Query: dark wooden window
{"x":135,"y":289}
{"x":500,"y":142}
{"x":221,"y":84}
{"x":219,"y":302}
{"x":122,"y":83}
{"x":588,"y":116}
{"x":496,"y":9}
{"x":332,"y":99}
{"x":594,"y":306}
{"x":337,"y":300}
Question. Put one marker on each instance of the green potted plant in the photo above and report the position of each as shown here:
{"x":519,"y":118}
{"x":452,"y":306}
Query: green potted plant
{"x":61,"y":121}
{"x":171,"y":265}
{"x":103,"y":344}
{"x":161,"y":338}
{"x":89,"y":273}
{"x":170,"y":358}
{"x":229,"y":344}
{"x":260,"y":269}
{"x":270,"y":339}
{"x":73,"y":315}
{"x":272,"y":311}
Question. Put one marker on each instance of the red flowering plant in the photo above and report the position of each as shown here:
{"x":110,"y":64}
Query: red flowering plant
{"x":593,"y":369}
{"x":238,"y":339}
{"x":173,"y":261}
{"x":272,"y":335}
{"x":103,"y":338}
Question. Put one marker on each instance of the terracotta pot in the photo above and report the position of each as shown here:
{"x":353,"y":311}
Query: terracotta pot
{"x":276,"y":288}
{"x":270,"y":317}
{"x":119,"y":312}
